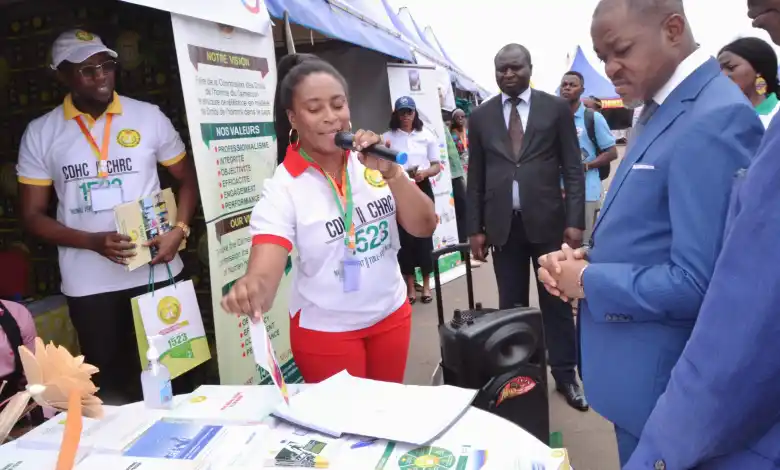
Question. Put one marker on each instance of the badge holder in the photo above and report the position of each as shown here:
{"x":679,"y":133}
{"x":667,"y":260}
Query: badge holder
{"x":350,"y":269}
{"x":105,"y":196}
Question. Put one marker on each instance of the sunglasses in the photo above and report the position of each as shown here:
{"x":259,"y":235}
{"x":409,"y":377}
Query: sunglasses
{"x":92,"y":71}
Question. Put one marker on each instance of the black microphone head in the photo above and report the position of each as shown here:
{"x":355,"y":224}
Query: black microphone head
{"x":344,"y":140}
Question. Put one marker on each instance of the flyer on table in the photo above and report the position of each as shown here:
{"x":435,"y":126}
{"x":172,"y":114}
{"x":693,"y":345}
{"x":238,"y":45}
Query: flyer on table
{"x":229,"y":79}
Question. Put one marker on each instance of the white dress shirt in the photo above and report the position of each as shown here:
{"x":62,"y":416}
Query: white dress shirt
{"x":421,"y":146}
{"x":524,"y":108}
{"x":683,"y":71}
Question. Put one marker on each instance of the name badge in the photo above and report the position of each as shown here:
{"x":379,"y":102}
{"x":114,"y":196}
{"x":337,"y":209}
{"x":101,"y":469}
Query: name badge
{"x":105,"y":198}
{"x":350,"y":272}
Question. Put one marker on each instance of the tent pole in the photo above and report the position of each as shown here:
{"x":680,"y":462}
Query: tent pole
{"x":288,"y":37}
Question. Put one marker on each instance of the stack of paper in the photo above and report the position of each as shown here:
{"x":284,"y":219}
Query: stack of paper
{"x":110,"y":435}
{"x":344,"y":404}
{"x":229,"y":405}
{"x":118,"y":462}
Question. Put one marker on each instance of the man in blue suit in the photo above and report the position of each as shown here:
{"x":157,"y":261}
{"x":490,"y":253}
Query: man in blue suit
{"x":655,"y":243}
{"x":721,"y":408}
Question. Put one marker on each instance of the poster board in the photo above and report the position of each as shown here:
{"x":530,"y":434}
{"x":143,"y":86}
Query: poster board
{"x":251,"y":15}
{"x":421,"y":83}
{"x":228,"y":78}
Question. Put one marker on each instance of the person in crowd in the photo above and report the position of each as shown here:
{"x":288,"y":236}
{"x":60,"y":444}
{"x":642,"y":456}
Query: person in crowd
{"x":520,"y":143}
{"x":407,"y":133}
{"x":17,"y":328}
{"x":458,"y":185}
{"x":592,"y":102}
{"x":656,"y":241}
{"x":597,"y":145}
{"x":460,"y":135}
{"x":720,"y":408}
{"x":752,"y":64}
{"x":340,"y":210}
{"x":96,"y":150}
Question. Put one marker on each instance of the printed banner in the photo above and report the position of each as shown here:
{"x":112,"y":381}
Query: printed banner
{"x":251,"y":15}
{"x":420,"y":82}
{"x":228,"y":78}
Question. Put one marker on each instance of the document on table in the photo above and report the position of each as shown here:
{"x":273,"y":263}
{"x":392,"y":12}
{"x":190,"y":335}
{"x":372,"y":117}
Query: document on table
{"x":344,"y":404}
{"x":198,"y":443}
{"x":16,"y":458}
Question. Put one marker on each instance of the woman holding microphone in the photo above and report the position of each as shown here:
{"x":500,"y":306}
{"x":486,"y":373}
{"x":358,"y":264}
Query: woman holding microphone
{"x":341,"y":211}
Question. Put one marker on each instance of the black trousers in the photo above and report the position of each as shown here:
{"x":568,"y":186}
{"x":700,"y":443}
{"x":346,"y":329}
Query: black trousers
{"x":416,"y":252}
{"x":459,"y":195}
{"x":513,"y":278}
{"x":104,"y":324}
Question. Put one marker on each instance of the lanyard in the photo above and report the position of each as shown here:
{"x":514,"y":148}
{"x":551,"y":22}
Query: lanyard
{"x":100,"y":152}
{"x":343,"y":198}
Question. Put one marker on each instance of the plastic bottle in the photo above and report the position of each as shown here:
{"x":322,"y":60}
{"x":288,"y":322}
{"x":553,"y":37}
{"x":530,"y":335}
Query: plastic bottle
{"x":156,"y":380}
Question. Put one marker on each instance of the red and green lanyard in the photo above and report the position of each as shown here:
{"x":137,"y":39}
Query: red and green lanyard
{"x":343,"y":198}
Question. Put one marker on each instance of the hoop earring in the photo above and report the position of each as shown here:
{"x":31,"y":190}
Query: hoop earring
{"x":760,"y":85}
{"x":296,"y":145}
{"x":350,"y":127}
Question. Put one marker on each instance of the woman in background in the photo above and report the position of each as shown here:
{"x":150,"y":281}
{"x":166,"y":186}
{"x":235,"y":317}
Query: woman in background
{"x":458,"y":185}
{"x":752,"y":64}
{"x":460,"y":135}
{"x":408,"y":135}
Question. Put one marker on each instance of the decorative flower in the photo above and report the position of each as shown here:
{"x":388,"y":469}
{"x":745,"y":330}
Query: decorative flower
{"x":52,"y":375}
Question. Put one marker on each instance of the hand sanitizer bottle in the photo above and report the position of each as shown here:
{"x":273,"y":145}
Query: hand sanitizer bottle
{"x":156,"y":380}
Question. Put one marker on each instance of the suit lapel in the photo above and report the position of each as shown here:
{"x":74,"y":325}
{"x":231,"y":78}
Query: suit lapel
{"x":666,"y":114}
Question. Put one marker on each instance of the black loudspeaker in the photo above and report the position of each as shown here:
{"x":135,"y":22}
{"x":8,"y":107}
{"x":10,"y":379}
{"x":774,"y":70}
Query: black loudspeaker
{"x":501,"y":353}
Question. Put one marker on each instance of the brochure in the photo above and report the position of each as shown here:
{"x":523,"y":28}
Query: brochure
{"x":433,"y":457}
{"x":205,"y":445}
{"x":144,"y":219}
{"x":228,"y":404}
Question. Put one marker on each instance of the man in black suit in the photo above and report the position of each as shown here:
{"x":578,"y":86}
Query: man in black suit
{"x":521,"y":143}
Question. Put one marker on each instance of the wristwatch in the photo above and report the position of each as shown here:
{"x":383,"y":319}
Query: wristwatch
{"x":184,"y":228}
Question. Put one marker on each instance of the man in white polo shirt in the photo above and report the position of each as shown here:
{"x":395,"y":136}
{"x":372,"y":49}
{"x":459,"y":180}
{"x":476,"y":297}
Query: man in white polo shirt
{"x":95,"y":150}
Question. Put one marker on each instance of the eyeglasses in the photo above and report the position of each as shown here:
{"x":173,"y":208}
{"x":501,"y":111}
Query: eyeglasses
{"x":91,"y":71}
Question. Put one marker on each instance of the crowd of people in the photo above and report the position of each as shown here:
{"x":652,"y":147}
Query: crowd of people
{"x":672,"y":274}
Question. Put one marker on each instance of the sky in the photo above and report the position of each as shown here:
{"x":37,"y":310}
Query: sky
{"x":473,"y":31}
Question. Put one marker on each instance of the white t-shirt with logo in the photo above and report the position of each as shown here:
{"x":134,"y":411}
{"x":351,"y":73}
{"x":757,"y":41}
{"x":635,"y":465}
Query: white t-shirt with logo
{"x":298,"y":210}
{"x":54,"y":151}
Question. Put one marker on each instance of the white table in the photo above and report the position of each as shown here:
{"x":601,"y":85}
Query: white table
{"x":477,"y":428}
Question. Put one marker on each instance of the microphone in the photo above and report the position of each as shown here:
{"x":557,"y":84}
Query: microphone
{"x":345,"y":139}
